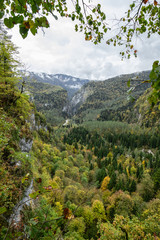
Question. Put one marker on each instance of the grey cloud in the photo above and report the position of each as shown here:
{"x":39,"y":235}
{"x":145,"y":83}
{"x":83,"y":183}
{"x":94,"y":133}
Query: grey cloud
{"x":61,"y":50}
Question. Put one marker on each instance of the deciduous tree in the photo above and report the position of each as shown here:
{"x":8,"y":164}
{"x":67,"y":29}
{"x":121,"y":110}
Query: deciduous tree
{"x":31,"y":15}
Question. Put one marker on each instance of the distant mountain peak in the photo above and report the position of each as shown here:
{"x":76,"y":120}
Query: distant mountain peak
{"x":70,"y":83}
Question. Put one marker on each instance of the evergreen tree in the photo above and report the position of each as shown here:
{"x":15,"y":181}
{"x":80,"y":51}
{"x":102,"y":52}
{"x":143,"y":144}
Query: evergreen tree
{"x":8,"y":58}
{"x":112,"y":182}
{"x":132,"y":187}
{"x":120,"y":168}
{"x":9,"y":76}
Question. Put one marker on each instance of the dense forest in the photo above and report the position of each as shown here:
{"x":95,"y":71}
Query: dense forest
{"x":94,"y":180}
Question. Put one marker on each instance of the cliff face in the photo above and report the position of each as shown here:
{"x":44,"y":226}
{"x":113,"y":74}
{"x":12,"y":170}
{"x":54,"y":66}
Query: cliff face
{"x":19,"y":123}
{"x":77,"y":100}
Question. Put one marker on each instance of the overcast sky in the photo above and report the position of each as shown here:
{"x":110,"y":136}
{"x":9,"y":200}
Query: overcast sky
{"x":62,"y":50}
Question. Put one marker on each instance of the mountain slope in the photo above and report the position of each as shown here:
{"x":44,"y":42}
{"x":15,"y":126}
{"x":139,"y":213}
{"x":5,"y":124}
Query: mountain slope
{"x":144,"y":114}
{"x":69,"y":83}
{"x":111,"y":94}
{"x":49,"y":100}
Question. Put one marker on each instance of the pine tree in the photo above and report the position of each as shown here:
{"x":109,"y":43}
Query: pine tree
{"x":132,"y":186}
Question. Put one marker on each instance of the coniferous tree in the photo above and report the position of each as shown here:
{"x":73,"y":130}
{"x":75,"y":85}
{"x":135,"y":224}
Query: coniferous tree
{"x":112,"y":182}
{"x":8,"y":59}
{"x":132,"y":187}
{"x":9,"y":75}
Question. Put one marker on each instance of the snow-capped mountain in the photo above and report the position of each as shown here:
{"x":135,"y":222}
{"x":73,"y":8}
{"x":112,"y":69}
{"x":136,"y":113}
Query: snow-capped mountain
{"x":71,"y":84}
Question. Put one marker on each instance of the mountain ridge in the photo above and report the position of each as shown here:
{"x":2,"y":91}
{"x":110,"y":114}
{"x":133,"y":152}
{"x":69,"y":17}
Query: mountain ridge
{"x":95,"y":100}
{"x":69,"y":83}
{"x":109,"y":94}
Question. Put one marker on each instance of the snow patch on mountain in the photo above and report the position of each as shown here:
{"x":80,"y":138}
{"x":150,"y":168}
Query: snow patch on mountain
{"x":69,"y":83}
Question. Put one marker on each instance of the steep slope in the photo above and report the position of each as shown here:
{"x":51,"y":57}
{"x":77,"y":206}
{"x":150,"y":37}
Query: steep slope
{"x":49,"y":100}
{"x":144,"y":114}
{"x":71,"y":84}
{"x":108,"y":95}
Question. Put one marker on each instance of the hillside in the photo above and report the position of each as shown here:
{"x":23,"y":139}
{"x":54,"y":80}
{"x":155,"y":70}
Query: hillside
{"x":49,"y":99}
{"x":144,"y":114}
{"x":69,"y":83}
{"x":97,"y":99}
{"x":101,"y":100}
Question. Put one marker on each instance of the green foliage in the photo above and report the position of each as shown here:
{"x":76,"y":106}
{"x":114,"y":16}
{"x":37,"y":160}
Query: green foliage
{"x":40,"y":222}
{"x":107,"y":231}
{"x":147,"y":115}
{"x":141,"y":17}
{"x":98,"y":210}
{"x":155,"y":83}
{"x":33,"y":15}
{"x":48,"y":100}
{"x":77,"y":225}
{"x":73,"y":236}
{"x":114,"y":104}
{"x":8,"y":60}
{"x":146,"y":187}
{"x":67,"y":167}
{"x":121,"y":203}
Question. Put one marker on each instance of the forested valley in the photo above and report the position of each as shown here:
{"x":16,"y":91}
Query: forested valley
{"x":96,"y":179}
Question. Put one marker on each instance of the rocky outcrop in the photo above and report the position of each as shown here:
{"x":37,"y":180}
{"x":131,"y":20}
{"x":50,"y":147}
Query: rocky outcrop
{"x":25,"y":145}
{"x":15,"y":218}
{"x":77,"y":100}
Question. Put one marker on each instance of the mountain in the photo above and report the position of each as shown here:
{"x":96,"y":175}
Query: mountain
{"x":98,"y":99}
{"x":69,"y":83}
{"x":49,"y":99}
{"x":95,"y":100}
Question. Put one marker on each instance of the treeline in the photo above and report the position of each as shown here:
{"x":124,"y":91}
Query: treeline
{"x":126,"y":139}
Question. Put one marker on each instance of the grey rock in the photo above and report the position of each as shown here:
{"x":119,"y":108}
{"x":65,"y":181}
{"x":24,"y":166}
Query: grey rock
{"x":25,"y":145}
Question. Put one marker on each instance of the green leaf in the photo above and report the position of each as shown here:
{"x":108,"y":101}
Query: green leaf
{"x":25,"y":178}
{"x":129,"y":83}
{"x":34,"y":194}
{"x":152,"y":75}
{"x":3,"y":210}
{"x":33,"y":221}
{"x":18,"y":19}
{"x":130,"y":90}
{"x":155,"y":64}
{"x":33,"y":30}
{"x":23,"y":31}
{"x":8,"y":22}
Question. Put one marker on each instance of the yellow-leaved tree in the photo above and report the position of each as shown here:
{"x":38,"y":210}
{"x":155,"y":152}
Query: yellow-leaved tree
{"x":105,"y":183}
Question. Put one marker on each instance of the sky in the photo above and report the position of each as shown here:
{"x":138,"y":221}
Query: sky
{"x":59,"y":49}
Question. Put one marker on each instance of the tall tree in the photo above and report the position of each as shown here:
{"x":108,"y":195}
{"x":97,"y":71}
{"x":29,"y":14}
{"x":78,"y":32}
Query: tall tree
{"x":8,"y":57}
{"x":9,"y":74}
